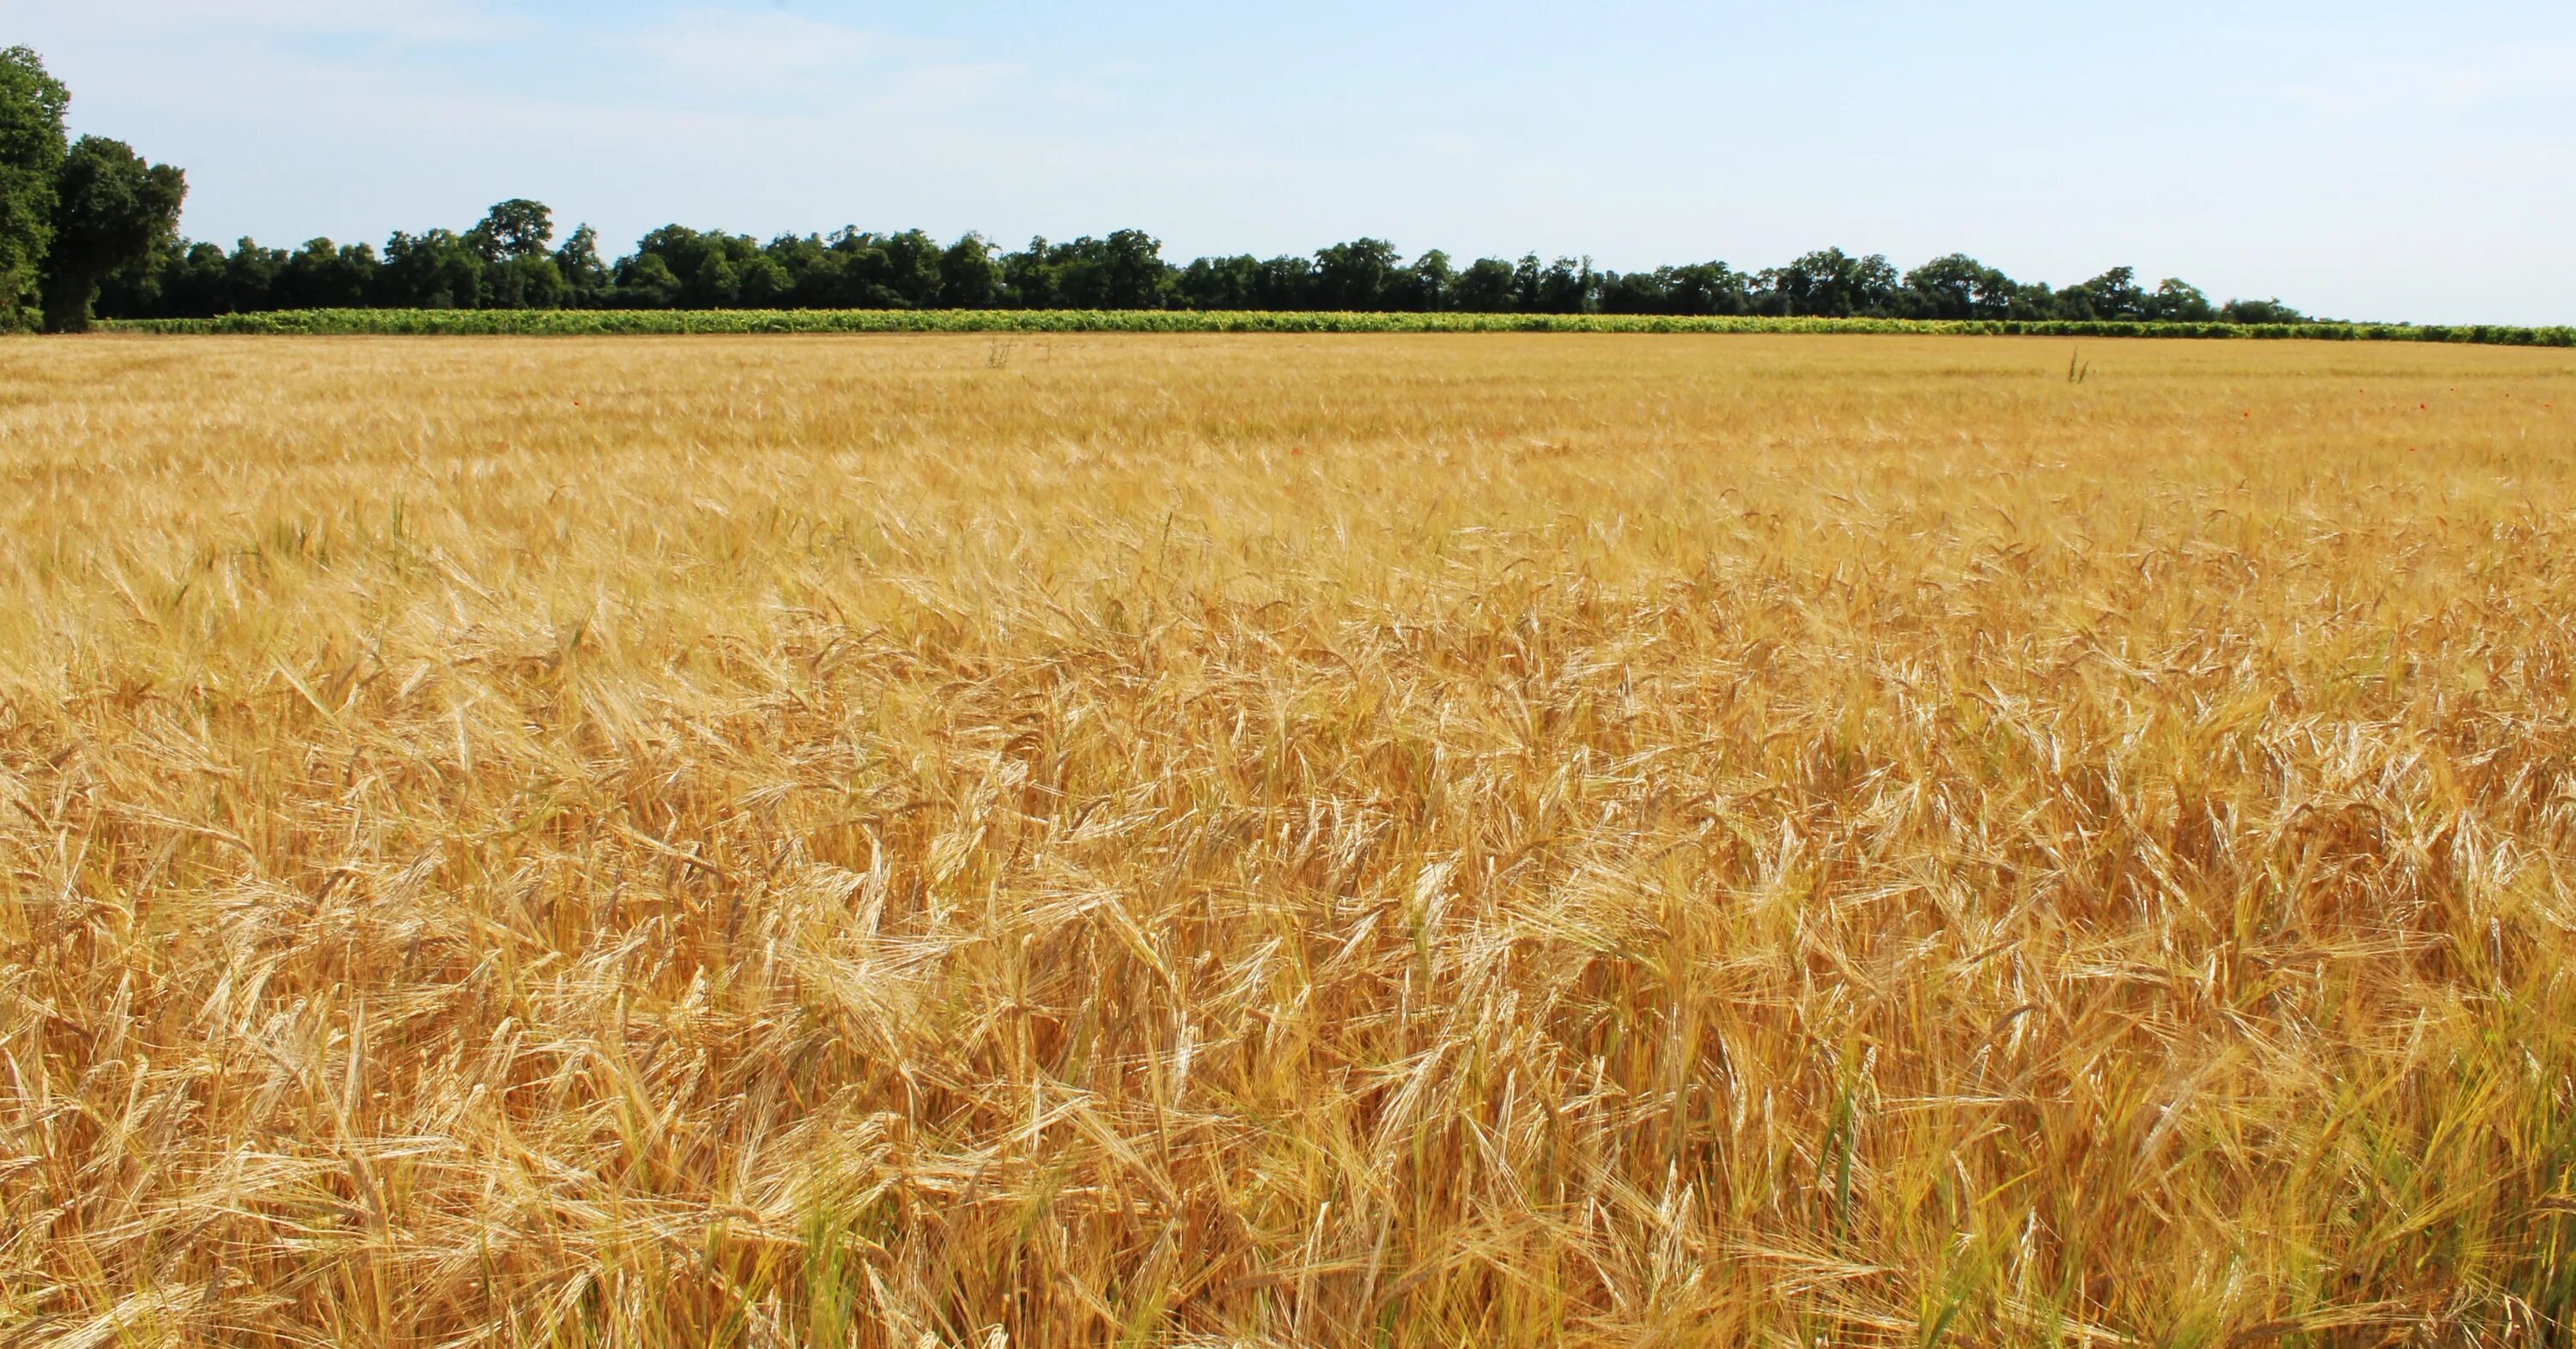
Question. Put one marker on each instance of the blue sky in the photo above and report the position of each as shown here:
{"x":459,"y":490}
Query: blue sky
{"x":2361,"y":159}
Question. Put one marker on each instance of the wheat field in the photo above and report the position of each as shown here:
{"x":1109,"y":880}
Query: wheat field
{"x":1285,"y":841}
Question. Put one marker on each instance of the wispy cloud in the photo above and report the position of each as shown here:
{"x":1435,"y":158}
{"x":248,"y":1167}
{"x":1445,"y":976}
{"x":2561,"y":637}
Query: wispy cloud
{"x":701,"y":80}
{"x":439,"y":22}
{"x":758,"y":49}
{"x":2453,"y":83}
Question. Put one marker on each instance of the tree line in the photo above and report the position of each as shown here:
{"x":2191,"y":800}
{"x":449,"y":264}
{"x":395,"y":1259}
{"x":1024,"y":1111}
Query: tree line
{"x":89,"y":227}
{"x":511,"y":260}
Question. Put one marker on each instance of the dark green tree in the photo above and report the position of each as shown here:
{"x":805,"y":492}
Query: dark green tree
{"x":32,"y":104}
{"x":1355,"y":275}
{"x":968,"y":276}
{"x":695,"y":270}
{"x":110,"y":210}
{"x":2178,"y":301}
{"x":436,"y":269}
{"x":250,"y":278}
{"x":1568,"y":286}
{"x":323,"y":275}
{"x":523,"y":283}
{"x":518,"y":273}
{"x":517,"y":228}
{"x":1832,"y":284}
{"x":1707,"y":288}
{"x":1960,"y":287}
{"x":141,"y":289}
{"x":1129,"y":271}
{"x":814,"y":268}
{"x":1286,"y":282}
{"x":1422,"y":288}
{"x":764,"y":283}
{"x":714,"y":284}
{"x":1028,"y":277}
{"x":1636,"y":293}
{"x":884,"y":271}
{"x":1219,"y":283}
{"x":1488,"y":286}
{"x":2113,"y":296}
{"x":2260,"y":311}
{"x":1124,"y":271}
{"x":585,"y":277}
{"x":646,"y":281}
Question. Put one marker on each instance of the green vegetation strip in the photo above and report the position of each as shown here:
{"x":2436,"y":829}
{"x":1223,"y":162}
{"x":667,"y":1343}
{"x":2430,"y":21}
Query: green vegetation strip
{"x":597,"y":322}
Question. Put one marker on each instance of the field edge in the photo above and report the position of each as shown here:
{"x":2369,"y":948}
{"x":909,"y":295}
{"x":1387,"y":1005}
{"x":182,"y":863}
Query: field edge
{"x":682,"y":322}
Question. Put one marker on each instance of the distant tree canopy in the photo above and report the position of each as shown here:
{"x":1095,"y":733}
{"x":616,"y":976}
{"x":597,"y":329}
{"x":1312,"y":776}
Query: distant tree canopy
{"x":510,"y":261}
{"x":71,"y":213}
{"x":92,"y":228}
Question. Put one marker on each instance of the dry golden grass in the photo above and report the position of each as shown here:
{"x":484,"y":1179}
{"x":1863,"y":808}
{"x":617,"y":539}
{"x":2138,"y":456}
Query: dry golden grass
{"x":1412,"y":841}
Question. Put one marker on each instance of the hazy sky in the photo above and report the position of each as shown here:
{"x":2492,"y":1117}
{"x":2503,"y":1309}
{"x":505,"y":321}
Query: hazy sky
{"x":2358,"y":158}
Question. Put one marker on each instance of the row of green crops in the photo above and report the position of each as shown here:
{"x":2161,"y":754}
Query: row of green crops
{"x":594,"y":322}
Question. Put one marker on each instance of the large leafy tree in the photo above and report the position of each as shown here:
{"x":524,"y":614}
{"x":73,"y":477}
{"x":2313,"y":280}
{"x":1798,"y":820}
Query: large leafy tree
{"x":2179,"y":301}
{"x":1422,"y":287}
{"x":32,"y":104}
{"x":1355,"y":275}
{"x":517,"y":228}
{"x":324,"y":275}
{"x":1285,"y":282}
{"x":968,"y":276}
{"x":1568,"y":286}
{"x":2112,"y":296}
{"x":1219,"y":283}
{"x":111,"y":208}
{"x":1960,"y":287}
{"x":435,"y":269}
{"x":1834,"y":284}
{"x":1488,"y":286}
{"x":518,"y":273}
{"x":585,"y":277}
{"x":1707,"y":288}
